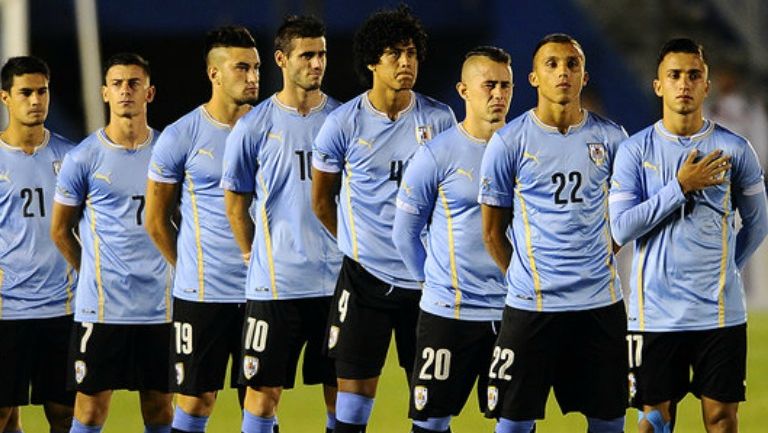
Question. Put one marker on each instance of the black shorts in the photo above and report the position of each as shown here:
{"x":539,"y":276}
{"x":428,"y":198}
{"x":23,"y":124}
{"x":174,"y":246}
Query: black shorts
{"x":661,"y":364}
{"x":34,"y":352}
{"x":273,"y":335}
{"x":450,"y":355}
{"x":107,"y":357}
{"x":365,"y":311}
{"x":205,"y":336}
{"x":581,"y":354}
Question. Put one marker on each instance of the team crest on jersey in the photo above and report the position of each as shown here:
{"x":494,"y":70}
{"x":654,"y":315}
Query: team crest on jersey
{"x":597,"y":152}
{"x":80,"y":371}
{"x":333,"y":336}
{"x":423,"y":133}
{"x":56,"y":167}
{"x":493,"y":397}
{"x":250,"y":366}
{"x":420,"y":397}
{"x":632,"y":382}
{"x":179,"y":373}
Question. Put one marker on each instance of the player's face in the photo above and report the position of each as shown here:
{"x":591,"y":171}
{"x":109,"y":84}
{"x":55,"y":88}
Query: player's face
{"x":127,"y":91}
{"x":397,"y":67}
{"x":304,"y":64}
{"x":487,"y":89}
{"x":558,"y":72}
{"x":682,"y":82}
{"x":27,"y":101}
{"x":237,"y":72}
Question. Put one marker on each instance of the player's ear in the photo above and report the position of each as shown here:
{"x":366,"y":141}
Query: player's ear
{"x":586,"y":78}
{"x":104,"y":93}
{"x":371,"y":68}
{"x":4,"y":97}
{"x":213,"y":74}
{"x":462,"y":89}
{"x":280,"y":58}
{"x":657,"y":87}
{"x":533,"y":79}
{"x":151,"y":91}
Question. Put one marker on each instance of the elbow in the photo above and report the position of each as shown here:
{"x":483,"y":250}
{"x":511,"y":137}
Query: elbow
{"x":620,"y":236}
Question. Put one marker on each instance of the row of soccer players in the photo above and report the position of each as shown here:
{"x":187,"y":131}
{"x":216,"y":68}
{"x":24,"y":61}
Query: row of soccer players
{"x":231,"y":185}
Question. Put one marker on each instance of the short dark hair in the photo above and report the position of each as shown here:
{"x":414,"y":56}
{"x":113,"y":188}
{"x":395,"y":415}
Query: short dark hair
{"x":384,"y":29}
{"x":127,"y":59}
{"x":16,"y":66}
{"x":228,"y":36}
{"x":496,"y":54}
{"x":681,"y":45}
{"x":557,"y":38}
{"x":295,"y":26}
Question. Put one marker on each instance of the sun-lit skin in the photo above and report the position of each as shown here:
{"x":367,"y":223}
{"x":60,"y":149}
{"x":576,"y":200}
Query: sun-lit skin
{"x":303,"y":68}
{"x":27,"y":104}
{"x":559,"y":75}
{"x":682,"y":84}
{"x":234,"y":76}
{"x":486,"y":87}
{"x":393,"y":78}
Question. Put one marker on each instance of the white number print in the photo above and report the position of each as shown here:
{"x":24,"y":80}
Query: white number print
{"x":86,"y":335}
{"x":440,"y":358}
{"x":635,"y":350}
{"x":506,"y":357}
{"x":183,"y":337}
{"x":343,"y":303}
{"x":256,"y":335}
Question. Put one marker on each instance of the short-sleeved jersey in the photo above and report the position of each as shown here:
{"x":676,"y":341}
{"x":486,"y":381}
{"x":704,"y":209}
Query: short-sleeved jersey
{"x":123,"y":278}
{"x":461,"y":279}
{"x":268,"y":154}
{"x":35,"y":280}
{"x":684,"y":276}
{"x":557,"y":185}
{"x":209,"y":265}
{"x":372,"y":150}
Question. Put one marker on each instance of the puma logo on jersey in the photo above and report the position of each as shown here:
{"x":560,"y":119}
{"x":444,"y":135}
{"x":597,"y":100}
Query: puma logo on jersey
{"x":4,"y":176}
{"x":156,"y":167}
{"x":531,"y":156}
{"x":365,"y":143}
{"x":647,"y":164}
{"x":275,"y":136}
{"x":406,"y":188}
{"x":466,"y":173}
{"x":205,"y":152}
{"x":104,"y":177}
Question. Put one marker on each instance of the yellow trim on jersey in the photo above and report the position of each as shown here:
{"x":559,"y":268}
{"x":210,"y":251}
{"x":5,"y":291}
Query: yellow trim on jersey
{"x":609,"y":243}
{"x":352,"y":232}
{"x":640,"y":288}
{"x":70,"y":293}
{"x":268,"y":238}
{"x":723,"y":260}
{"x":451,"y":253}
{"x":168,"y":285}
{"x":529,"y":250}
{"x":198,"y":243}
{"x":97,"y":261}
{"x":2,"y":277}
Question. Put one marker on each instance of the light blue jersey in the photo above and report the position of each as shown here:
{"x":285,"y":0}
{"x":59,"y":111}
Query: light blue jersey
{"x":441,"y":183}
{"x":268,"y":154}
{"x":209,"y":266}
{"x":557,"y":185}
{"x":35,"y":280}
{"x":372,"y":150}
{"x":123,"y":277}
{"x":687,"y":253}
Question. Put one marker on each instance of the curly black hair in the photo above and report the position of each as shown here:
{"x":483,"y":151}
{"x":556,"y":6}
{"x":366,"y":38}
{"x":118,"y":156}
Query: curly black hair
{"x":384,"y":29}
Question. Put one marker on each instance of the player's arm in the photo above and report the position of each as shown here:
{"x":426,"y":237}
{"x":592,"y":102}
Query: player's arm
{"x":325,"y":189}
{"x":161,"y":207}
{"x":237,"y":205}
{"x":495,"y":223}
{"x":750,"y":200}
{"x":63,"y":224}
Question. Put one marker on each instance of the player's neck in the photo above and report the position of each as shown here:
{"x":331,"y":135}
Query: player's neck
{"x":26,"y":138}
{"x":560,"y":116}
{"x":388,"y":100}
{"x":127,"y":132}
{"x":225,"y":111}
{"x":479,"y":128}
{"x":683,"y":125}
{"x":302,"y":100}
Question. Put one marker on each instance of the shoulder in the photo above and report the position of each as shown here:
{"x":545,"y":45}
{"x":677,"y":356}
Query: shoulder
{"x":513,"y":131}
{"x":432,"y":106}
{"x":59,"y":142}
{"x":609,"y":127}
{"x":725,"y":134}
{"x":331,"y":103}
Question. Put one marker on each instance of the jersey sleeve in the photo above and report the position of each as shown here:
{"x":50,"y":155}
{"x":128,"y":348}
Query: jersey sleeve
{"x":747,"y":173}
{"x":169,"y":157}
{"x":497,"y":174}
{"x":750,"y":199}
{"x":447,"y":121}
{"x":72,"y":181}
{"x":329,"y":148}
{"x":240,"y":159}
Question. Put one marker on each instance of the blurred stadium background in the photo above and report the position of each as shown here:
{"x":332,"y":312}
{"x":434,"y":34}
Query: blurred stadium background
{"x":620,"y":39}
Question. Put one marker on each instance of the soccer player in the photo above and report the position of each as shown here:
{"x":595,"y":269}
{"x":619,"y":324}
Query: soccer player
{"x":463,"y":290}
{"x":675,"y":190}
{"x":36,"y":283}
{"x":371,"y":138}
{"x":294,"y":262}
{"x":123,"y":304}
{"x":209,"y":286}
{"x":544,"y":194}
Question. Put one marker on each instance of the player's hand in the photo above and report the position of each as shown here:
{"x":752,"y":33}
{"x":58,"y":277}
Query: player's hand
{"x":695,"y":176}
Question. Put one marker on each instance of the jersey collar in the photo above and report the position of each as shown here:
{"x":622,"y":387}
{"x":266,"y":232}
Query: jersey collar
{"x":46,"y":138}
{"x":367,"y":104}
{"x":293,"y":110}
{"x":470,"y":136}
{"x":102,"y":135}
{"x":207,"y":116}
{"x":705,"y":130}
{"x":553,"y":129}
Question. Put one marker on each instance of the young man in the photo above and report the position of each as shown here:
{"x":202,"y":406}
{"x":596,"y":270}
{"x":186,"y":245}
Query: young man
{"x":209,"y":282}
{"x":463,"y":291}
{"x":294,"y":262}
{"x":371,"y":138}
{"x":36,"y":283}
{"x":120,"y":340}
{"x":676,"y":186}
{"x":544,"y":183}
